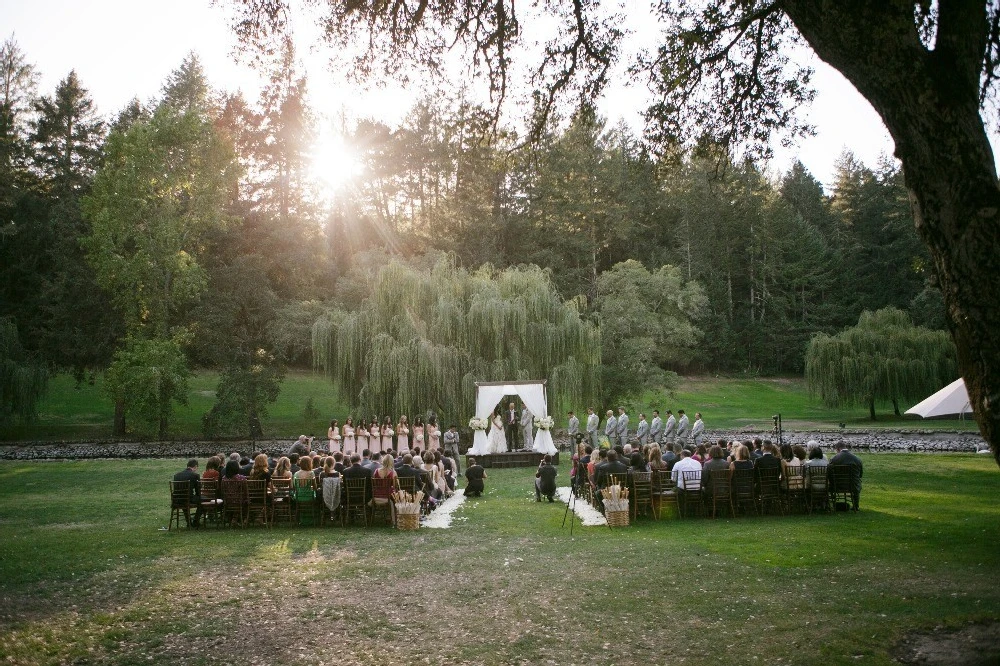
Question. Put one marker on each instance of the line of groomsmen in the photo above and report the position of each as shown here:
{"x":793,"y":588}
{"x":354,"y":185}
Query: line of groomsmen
{"x":658,"y":431}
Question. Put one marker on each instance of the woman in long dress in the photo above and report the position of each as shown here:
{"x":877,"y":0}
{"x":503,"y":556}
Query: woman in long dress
{"x":433,"y":434}
{"x":361,"y":434}
{"x":350,"y":445}
{"x":403,"y":434}
{"x":334,"y":434}
{"x":375,"y":436}
{"x":497,"y":442}
{"x":387,"y":433}
{"x":418,"y":432}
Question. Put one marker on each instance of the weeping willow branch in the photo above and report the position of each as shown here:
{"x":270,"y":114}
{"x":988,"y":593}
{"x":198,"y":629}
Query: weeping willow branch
{"x":423,"y":338}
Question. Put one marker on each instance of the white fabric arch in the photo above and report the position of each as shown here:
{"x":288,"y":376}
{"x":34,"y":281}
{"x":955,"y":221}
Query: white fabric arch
{"x":488,"y":394}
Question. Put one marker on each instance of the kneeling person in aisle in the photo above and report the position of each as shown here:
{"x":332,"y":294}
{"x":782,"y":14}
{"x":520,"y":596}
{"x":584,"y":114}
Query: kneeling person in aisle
{"x":545,"y":479}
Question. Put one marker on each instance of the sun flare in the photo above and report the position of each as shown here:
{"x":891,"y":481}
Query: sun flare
{"x":333,"y":163}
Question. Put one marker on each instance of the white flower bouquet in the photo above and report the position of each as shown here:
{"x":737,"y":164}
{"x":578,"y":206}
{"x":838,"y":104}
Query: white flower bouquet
{"x":544,"y":422}
{"x":477,"y":423}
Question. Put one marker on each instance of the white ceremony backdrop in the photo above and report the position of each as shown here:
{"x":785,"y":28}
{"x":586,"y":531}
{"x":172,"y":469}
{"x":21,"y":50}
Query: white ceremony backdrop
{"x":488,"y":395}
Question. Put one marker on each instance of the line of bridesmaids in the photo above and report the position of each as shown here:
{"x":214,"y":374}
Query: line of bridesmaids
{"x":372,"y":435}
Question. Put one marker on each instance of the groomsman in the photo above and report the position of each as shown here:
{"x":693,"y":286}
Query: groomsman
{"x":611,"y":428}
{"x":527,"y":423}
{"x":682,"y":425}
{"x":656,"y":428}
{"x":697,"y":429}
{"x":572,"y":429}
{"x":621,"y":427}
{"x":593,"y":421}
{"x":670,"y":428}
{"x":642,"y":430}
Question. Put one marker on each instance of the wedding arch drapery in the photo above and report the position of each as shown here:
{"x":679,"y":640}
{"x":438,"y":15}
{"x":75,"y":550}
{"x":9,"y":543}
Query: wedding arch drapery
{"x":488,"y":394}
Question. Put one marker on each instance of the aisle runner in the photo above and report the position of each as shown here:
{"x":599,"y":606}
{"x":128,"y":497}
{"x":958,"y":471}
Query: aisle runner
{"x":587,"y":514}
{"x":440,"y":518}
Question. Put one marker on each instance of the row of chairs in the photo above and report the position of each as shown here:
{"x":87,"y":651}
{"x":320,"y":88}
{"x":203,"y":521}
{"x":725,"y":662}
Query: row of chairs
{"x":750,"y":491}
{"x":242,"y":503}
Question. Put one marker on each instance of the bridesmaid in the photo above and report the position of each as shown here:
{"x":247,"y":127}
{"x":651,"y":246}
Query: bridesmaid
{"x":361,"y":433}
{"x":433,"y":434}
{"x":350,"y":446}
{"x":418,"y":433}
{"x":334,"y":436}
{"x":374,"y":434}
{"x":387,"y":433}
{"x":403,"y":434}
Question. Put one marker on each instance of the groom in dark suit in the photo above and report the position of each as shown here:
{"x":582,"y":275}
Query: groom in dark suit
{"x":511,"y":424}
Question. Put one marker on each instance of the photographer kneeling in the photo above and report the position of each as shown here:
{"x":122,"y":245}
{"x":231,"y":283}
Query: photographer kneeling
{"x":545,"y":479}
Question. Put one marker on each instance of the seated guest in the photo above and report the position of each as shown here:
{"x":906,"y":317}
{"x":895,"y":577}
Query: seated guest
{"x":190,"y":474}
{"x":293,"y":459}
{"x":655,"y":459}
{"x":603,"y":472}
{"x":545,"y":479}
{"x":305,"y":469}
{"x":815,"y":457}
{"x":767,"y":461}
{"x":602,"y":458}
{"x":785,"y":451}
{"x":636,"y":463}
{"x":450,"y":470}
{"x":671,"y":455}
{"x":406,"y":470}
{"x":366,"y":460}
{"x":328,"y":468}
{"x":845,"y":457}
{"x":232,"y":471}
{"x":685,"y":464}
{"x":282,"y":469}
{"x":701,"y":454}
{"x":475,"y":477}
{"x":211,"y":470}
{"x":798,"y":455}
{"x":757,"y":451}
{"x":356,"y":471}
{"x":383,"y":494}
{"x":259,"y":470}
{"x":742,"y":460}
{"x":245,"y":466}
{"x":339,"y":461}
{"x":716,"y":462}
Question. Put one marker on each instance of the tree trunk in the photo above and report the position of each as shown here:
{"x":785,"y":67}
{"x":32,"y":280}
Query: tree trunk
{"x":929,"y":101}
{"x":871,"y":408}
{"x":118,"y":430}
{"x":895,"y":407}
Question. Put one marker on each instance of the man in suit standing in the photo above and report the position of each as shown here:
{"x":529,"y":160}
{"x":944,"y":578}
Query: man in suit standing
{"x":511,"y":424}
{"x":622,"y":426}
{"x":642,"y":430}
{"x":682,"y":425}
{"x":656,"y":428}
{"x":451,"y":440}
{"x":527,"y":423}
{"x":697,"y":429}
{"x":593,"y":421}
{"x":611,"y":428}
{"x":670,"y":429}
{"x":573,"y":429}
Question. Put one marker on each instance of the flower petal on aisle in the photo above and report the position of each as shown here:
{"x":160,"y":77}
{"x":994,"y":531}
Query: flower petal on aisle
{"x":588,"y":515}
{"x":440,"y":517}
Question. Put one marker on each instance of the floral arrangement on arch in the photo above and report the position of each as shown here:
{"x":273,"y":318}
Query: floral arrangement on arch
{"x":477,"y":423}
{"x":544,"y":422}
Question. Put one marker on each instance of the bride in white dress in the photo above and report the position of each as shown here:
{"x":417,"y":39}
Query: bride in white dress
{"x":497,"y":442}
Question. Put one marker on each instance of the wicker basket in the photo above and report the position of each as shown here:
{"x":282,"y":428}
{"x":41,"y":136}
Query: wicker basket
{"x":407,"y":521}
{"x":617,"y":518}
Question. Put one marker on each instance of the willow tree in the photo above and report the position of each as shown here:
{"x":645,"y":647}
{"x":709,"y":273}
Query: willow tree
{"x":884,"y":357}
{"x":22,"y":379}
{"x":422,"y":338}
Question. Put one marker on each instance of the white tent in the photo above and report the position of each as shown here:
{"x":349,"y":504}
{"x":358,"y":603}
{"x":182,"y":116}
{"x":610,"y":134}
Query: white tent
{"x":952,"y":399}
{"x":488,"y":394}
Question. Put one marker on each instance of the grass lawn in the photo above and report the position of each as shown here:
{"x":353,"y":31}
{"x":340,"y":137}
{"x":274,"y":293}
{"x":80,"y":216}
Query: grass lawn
{"x":86,"y":412}
{"x":87,"y":577}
